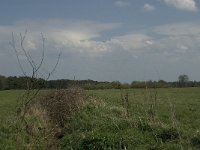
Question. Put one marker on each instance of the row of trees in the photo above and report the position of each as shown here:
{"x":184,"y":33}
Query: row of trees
{"x":7,"y":83}
{"x":14,"y":82}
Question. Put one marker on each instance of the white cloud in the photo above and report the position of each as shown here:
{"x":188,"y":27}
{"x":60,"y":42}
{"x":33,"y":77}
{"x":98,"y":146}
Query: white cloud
{"x":172,"y":44}
{"x":84,"y":38}
{"x":188,"y":5}
{"x":179,"y":40}
{"x":149,"y":7}
{"x":121,"y":3}
{"x":179,"y":29}
{"x":132,"y":42}
{"x":149,"y":42}
{"x":74,"y":36}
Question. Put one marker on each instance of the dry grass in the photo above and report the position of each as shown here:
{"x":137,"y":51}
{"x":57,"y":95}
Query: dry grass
{"x":61,"y":105}
{"x":48,"y":116}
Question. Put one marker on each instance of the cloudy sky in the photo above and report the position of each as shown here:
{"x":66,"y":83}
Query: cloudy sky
{"x":104,"y":40}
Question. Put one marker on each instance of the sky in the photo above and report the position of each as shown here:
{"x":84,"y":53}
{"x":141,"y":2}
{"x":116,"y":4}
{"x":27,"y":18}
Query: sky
{"x":103,"y":40}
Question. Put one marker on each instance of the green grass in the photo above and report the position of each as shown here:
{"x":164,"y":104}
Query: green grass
{"x":8,"y":102}
{"x":171,"y":123}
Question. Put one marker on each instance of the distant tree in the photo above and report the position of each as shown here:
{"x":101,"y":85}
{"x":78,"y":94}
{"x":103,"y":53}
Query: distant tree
{"x":183,"y":80}
{"x":3,"y":83}
{"x":125,"y":86}
{"x":162,"y":84}
{"x":138,"y":84}
{"x":116,"y":85}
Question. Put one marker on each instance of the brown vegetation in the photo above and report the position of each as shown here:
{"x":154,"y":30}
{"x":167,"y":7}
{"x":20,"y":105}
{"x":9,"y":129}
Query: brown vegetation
{"x":48,"y":115}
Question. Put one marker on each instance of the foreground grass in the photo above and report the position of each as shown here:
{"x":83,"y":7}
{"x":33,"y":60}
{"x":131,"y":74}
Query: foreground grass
{"x":119,"y":119}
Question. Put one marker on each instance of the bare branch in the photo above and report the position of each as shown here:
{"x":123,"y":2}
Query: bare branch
{"x":31,"y":92}
{"x":14,"y":47}
{"x":27,"y":55}
{"x":42,"y":58}
{"x":52,"y":71}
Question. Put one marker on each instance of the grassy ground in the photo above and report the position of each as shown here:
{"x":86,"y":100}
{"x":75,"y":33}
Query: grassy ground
{"x":119,"y":119}
{"x":8,"y":102}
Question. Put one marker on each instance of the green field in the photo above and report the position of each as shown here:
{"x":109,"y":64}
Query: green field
{"x":121,"y":119}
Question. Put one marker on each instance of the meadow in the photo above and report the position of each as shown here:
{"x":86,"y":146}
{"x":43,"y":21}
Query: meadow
{"x":166,"y":118}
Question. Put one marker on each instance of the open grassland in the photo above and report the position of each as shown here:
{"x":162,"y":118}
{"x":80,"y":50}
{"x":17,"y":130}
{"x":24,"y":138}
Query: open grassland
{"x":120,"y":119}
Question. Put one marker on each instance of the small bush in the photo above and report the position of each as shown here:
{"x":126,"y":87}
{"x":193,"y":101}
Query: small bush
{"x":48,"y":116}
{"x":61,"y":105}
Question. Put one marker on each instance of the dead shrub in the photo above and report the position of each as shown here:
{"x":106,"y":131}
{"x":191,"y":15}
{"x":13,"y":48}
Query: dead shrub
{"x":47,"y":115}
{"x":61,"y":105}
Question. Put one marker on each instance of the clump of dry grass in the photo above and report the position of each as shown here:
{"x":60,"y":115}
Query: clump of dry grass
{"x":48,"y":115}
{"x":61,"y":105}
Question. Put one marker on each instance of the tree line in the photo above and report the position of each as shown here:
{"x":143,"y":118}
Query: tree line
{"x":14,"y":82}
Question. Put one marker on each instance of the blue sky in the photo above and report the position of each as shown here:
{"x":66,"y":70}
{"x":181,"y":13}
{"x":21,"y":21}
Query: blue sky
{"x":104,"y":40}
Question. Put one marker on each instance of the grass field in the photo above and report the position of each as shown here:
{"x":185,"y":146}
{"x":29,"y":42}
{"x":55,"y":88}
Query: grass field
{"x":122,"y":119}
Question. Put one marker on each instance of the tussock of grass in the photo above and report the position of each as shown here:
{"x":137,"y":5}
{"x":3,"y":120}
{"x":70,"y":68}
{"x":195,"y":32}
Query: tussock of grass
{"x":61,"y":105}
{"x":48,"y":116}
